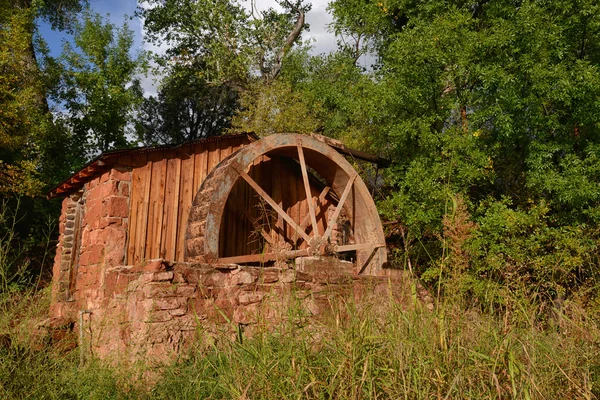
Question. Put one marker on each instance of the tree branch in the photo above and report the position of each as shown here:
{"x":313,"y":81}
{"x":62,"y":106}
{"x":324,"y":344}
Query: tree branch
{"x":289,"y":41}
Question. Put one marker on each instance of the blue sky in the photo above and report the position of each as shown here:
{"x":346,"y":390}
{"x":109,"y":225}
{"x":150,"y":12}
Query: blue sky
{"x":117,"y":10}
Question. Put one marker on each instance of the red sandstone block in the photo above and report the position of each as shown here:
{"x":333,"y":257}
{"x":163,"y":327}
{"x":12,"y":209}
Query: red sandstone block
{"x":108,"y":221}
{"x":269,"y":276}
{"x":303,"y":277}
{"x":186,"y":290}
{"x":91,"y":255}
{"x":123,"y":282}
{"x":92,"y":236}
{"x":159,"y":316}
{"x":110,"y":283}
{"x":159,"y":290}
{"x":102,"y":191}
{"x":120,"y":174}
{"x":124,"y":189}
{"x":169,"y":303}
{"x":191,"y":276}
{"x":198,"y":306}
{"x":226,"y":293}
{"x":178,"y":312}
{"x":114,"y":235}
{"x":151,"y":266}
{"x":92,"y":183}
{"x":268,"y":288}
{"x":287,"y":276}
{"x":104,"y":177}
{"x":178,"y":277}
{"x":243,"y":278}
{"x":93,"y":212}
{"x":117,"y":207}
{"x":115,"y":257}
{"x":65,"y":205}
{"x":89,"y":280}
{"x":214,"y":278}
{"x":163,"y":276}
{"x":246,"y":314}
{"x":220,"y":311}
{"x":246,"y":298}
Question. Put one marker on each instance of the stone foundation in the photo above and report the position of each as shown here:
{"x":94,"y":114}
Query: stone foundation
{"x":153,"y":311}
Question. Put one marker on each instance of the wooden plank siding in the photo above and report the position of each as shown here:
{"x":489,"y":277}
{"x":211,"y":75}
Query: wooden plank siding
{"x":165,"y":182}
{"x":163,"y":187}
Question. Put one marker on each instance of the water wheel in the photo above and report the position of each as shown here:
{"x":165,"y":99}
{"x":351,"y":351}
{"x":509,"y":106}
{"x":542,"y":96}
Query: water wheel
{"x":248,"y":210}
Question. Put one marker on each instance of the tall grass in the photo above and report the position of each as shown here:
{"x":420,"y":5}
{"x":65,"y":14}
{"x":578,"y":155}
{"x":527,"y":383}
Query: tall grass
{"x":365,"y":350}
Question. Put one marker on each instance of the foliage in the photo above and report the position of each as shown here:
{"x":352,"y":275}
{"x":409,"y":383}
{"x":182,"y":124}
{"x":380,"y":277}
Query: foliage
{"x":186,"y":108}
{"x":495,"y":102}
{"x":229,"y":43}
{"x":22,"y":125}
{"x":99,"y":86}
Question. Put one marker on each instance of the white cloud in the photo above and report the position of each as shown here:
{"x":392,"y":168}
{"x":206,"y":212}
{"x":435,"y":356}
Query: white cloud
{"x":318,"y":18}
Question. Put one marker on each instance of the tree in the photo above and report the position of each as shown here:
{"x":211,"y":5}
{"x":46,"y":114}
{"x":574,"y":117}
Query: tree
{"x":496,"y":102}
{"x":99,"y":86}
{"x":26,"y":124}
{"x":229,"y":43}
{"x":22,"y":119}
{"x":186,"y":108}
{"x":230,"y":55}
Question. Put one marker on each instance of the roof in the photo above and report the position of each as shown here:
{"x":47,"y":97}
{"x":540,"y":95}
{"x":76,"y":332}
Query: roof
{"x":104,"y":161}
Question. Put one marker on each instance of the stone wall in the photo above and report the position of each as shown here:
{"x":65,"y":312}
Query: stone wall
{"x":153,"y":311}
{"x":93,"y":236}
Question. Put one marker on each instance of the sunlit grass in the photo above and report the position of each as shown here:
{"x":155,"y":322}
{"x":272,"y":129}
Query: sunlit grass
{"x":381,"y":350}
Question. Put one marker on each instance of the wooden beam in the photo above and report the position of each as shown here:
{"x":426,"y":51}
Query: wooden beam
{"x":340,"y":205}
{"x":272,"y":203}
{"x":262,"y":257}
{"x":356,"y":247}
{"x":311,"y":209}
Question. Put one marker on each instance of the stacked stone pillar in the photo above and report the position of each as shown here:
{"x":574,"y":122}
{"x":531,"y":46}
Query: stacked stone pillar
{"x":93,"y":236}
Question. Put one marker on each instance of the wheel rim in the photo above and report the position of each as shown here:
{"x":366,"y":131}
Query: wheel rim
{"x":208,"y":209}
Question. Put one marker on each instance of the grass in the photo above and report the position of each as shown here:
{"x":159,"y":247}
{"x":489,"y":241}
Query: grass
{"x":365,"y":351}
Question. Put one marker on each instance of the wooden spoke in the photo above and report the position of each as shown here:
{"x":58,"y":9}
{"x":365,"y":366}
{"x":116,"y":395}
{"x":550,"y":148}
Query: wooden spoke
{"x":262,"y":257}
{"x":356,"y":247}
{"x":272,"y":203}
{"x":311,"y":209}
{"x":339,"y":207}
{"x":306,"y":219}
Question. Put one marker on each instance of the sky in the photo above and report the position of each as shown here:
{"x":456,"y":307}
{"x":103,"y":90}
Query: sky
{"x":120,"y":11}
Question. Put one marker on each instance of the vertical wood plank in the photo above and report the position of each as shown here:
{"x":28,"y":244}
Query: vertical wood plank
{"x":198,"y":161}
{"x":156,"y":202}
{"x":145,"y":175}
{"x":169,"y":223}
{"x":213,"y":155}
{"x":185,"y":198}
